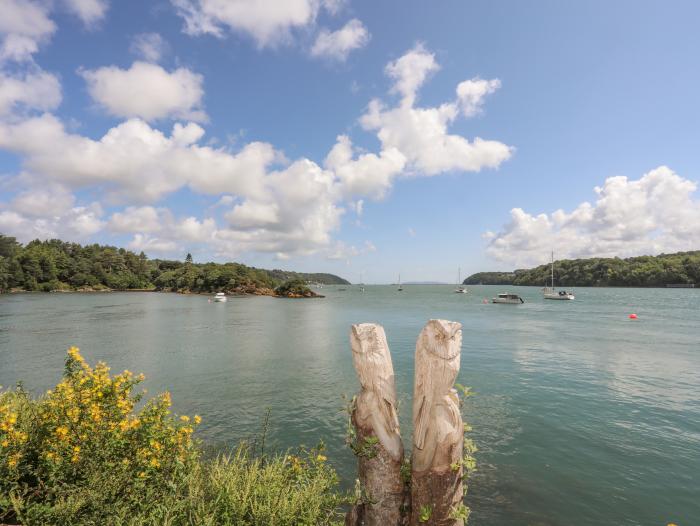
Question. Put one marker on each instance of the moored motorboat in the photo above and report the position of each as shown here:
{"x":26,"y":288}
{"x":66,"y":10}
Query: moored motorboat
{"x":220,"y":297}
{"x":512,"y":299}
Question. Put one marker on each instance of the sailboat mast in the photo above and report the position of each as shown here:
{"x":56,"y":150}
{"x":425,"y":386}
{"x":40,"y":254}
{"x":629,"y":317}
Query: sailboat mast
{"x":552,"y":268}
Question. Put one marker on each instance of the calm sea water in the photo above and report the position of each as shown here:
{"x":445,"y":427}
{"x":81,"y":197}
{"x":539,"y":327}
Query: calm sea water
{"x":582,"y":416}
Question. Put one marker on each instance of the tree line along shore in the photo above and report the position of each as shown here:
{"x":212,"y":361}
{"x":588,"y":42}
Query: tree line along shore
{"x":55,"y":265}
{"x":681,"y":268}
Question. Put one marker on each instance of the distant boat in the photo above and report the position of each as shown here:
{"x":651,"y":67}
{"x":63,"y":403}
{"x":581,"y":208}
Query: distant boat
{"x":550,"y":293}
{"x":508,"y":298}
{"x":220,"y":297}
{"x":400,"y":287}
{"x":461,"y":289}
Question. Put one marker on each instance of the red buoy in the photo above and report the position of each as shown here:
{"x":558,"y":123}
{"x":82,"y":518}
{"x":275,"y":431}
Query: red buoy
{"x":633,"y":316}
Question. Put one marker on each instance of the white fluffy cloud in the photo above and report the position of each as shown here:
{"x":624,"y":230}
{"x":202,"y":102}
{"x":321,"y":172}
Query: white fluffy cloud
{"x":265,"y":202}
{"x":268,"y":22}
{"x":421,"y":134}
{"x":410,"y":71}
{"x":89,"y":11}
{"x":471,"y":94}
{"x":143,"y":243}
{"x":656,"y":213}
{"x":337,"y":45}
{"x":24,"y":24}
{"x":76,"y":223}
{"x":369,"y":174}
{"x":35,"y":90}
{"x":157,"y":229}
{"x":147,"y":91}
{"x":134,"y":161}
{"x":149,"y":46}
{"x":141,"y":219}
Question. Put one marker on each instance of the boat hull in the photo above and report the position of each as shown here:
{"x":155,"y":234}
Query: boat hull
{"x":507,"y":301}
{"x":559,"y":297}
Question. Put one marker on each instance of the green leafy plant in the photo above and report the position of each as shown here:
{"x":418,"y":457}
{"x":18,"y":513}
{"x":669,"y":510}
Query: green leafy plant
{"x":461,"y":512}
{"x":88,"y":453}
{"x":425,"y":513}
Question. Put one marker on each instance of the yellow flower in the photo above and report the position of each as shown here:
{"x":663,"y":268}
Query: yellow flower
{"x":12,"y":462}
{"x":185,"y":418}
{"x":197,"y":419}
{"x":321,"y":458}
{"x":142,"y":474}
{"x":62,"y":432}
{"x":154,"y":463}
{"x":74,"y":353}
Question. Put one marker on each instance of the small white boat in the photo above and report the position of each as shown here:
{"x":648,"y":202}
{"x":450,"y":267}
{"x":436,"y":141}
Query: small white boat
{"x":219,"y":297}
{"x":400,"y":289}
{"x":508,"y":298}
{"x":550,"y":293}
{"x":461,"y":289}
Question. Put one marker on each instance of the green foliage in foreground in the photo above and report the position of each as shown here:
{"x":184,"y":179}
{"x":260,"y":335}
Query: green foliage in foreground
{"x":58,"y":265}
{"x":642,"y":271}
{"x":84,"y":455}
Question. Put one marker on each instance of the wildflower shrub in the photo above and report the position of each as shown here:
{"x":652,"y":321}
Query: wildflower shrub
{"x":84,"y":454}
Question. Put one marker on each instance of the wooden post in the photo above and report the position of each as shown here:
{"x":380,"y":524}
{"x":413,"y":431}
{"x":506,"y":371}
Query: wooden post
{"x":438,"y":432}
{"x":377,"y":442}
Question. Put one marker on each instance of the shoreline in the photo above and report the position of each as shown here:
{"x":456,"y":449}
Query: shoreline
{"x":260,"y":292}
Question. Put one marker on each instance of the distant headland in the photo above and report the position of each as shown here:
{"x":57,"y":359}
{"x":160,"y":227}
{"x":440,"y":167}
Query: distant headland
{"x":59,"y":266}
{"x":664,"y":270}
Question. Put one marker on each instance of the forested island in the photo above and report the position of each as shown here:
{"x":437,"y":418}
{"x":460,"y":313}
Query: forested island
{"x":55,"y":265}
{"x":681,"y":268}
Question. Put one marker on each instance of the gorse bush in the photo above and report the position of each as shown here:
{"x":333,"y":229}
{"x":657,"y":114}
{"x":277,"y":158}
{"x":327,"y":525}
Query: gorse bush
{"x":83,"y":454}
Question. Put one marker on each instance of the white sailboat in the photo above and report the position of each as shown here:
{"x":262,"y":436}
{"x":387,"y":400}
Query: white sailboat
{"x":461,"y":289}
{"x":400,"y":287}
{"x":550,"y":293}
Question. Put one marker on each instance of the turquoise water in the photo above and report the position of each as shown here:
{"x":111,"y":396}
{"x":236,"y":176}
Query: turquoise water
{"x":582,"y":416}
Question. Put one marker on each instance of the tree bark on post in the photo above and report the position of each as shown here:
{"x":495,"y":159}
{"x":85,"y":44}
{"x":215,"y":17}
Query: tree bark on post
{"x":377,"y":441}
{"x":438,"y":432}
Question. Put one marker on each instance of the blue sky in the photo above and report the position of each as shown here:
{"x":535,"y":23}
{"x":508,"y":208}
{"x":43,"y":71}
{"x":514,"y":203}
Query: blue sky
{"x":587,"y":114}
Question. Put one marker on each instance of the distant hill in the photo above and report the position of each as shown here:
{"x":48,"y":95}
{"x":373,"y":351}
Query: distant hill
{"x":56,"y":265}
{"x":317,"y":277}
{"x":641,"y":271}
